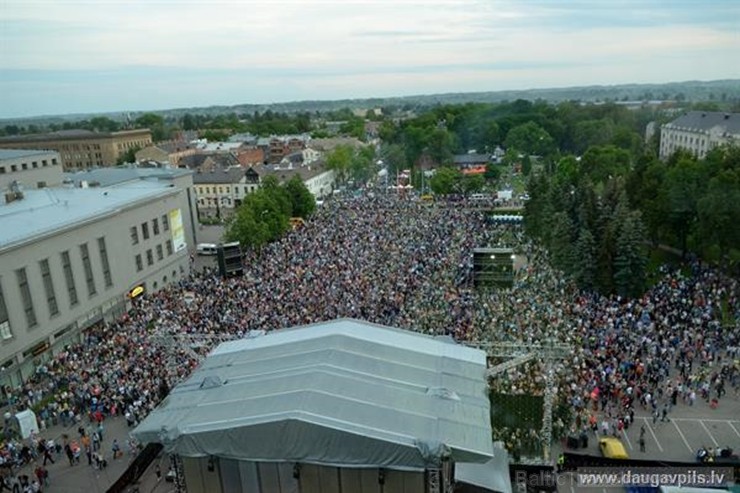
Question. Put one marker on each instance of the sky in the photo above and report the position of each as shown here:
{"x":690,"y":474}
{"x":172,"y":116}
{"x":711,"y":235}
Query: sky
{"x":85,"y":56}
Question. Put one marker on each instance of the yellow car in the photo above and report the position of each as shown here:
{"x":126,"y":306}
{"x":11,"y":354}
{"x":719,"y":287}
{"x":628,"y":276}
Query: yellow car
{"x":612,"y":448}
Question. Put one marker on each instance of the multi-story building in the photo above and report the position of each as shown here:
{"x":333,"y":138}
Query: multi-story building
{"x":221,"y":191}
{"x":30,"y":169}
{"x":170,"y":152}
{"x":319,"y":180}
{"x":73,"y":256}
{"x":699,"y":132}
{"x":281,"y":146}
{"x":83,"y":149}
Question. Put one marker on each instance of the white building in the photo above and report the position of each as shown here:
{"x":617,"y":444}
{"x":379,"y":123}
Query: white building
{"x":219,"y":192}
{"x":30,"y":168}
{"x":73,"y":256}
{"x":699,"y":132}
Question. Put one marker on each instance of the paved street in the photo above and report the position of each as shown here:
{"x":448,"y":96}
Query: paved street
{"x":688,"y":429}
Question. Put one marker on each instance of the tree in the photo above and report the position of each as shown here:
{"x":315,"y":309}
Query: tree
{"x":584,"y":269}
{"x":154,"y":123}
{"x":629,"y":259}
{"x":302,"y":201}
{"x":684,"y":183}
{"x":493,"y":172}
{"x":719,"y":213}
{"x":445,"y":180}
{"x":470,"y":184}
{"x":339,"y":160}
{"x":530,"y":138}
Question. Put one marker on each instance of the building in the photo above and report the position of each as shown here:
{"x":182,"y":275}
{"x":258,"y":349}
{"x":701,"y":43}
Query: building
{"x":319,"y":180}
{"x":281,"y":146}
{"x":344,"y":406}
{"x":331,"y":143}
{"x":699,"y":132}
{"x":83,"y":149}
{"x":30,"y":168}
{"x":75,"y":255}
{"x":220,"y":191}
{"x":471,"y":163}
{"x":171,"y":152}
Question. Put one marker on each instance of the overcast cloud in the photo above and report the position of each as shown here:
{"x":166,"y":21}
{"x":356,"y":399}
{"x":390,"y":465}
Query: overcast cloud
{"x":60,"y":56}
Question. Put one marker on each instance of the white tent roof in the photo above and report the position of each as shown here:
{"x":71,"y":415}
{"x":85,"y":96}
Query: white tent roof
{"x":346,"y":393}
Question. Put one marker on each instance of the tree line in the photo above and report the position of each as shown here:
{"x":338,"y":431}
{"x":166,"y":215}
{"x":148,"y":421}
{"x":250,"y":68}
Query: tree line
{"x":600,"y":199}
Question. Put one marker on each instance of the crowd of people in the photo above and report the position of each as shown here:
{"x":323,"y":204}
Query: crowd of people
{"x":408,"y":263}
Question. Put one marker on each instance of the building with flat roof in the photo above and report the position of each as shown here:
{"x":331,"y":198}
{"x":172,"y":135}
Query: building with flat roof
{"x":698,"y":132}
{"x":341,"y":406}
{"x":75,"y":255}
{"x":220,"y":191}
{"x":83,"y":149}
{"x":30,"y":168}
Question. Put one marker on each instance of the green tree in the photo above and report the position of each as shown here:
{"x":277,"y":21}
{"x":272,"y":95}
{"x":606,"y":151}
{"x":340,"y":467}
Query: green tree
{"x":302,"y":201}
{"x":445,"y":181}
{"x":719,"y":213}
{"x":155,"y":123}
{"x":629,"y":258}
{"x":684,"y":187}
{"x":530,"y":138}
{"x":339,"y":160}
{"x":470,"y":184}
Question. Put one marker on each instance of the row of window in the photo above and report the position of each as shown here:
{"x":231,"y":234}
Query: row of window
{"x":145,"y":229}
{"x":49,"y":289}
{"x":25,"y":166}
{"x":79,"y":147}
{"x":140,"y":144}
{"x":150,"y":255}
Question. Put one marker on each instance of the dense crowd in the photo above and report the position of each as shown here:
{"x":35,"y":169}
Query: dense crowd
{"x":408,"y":263}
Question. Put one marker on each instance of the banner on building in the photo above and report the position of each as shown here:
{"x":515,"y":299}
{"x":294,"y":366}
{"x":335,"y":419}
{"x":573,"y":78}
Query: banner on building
{"x":178,"y":231}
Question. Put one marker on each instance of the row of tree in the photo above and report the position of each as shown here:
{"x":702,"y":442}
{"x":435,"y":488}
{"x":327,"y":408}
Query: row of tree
{"x":522,"y":127}
{"x":265,"y":214}
{"x":599,"y":216}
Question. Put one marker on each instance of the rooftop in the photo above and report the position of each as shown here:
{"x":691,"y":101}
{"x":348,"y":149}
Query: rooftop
{"x":344,"y":392}
{"x":69,"y":135}
{"x":21,"y":153}
{"x":217,"y":176}
{"x":114,"y":176}
{"x":471,"y":158}
{"x":707,"y":120}
{"x":50,"y":210}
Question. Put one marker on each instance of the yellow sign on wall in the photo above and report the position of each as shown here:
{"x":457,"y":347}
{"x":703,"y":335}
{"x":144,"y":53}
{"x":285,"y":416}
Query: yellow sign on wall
{"x":178,"y":231}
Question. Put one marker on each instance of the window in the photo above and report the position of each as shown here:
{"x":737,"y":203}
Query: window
{"x":155,"y":226}
{"x":69,"y":278}
{"x":13,"y":167}
{"x":5,"y":332}
{"x":40,"y":184}
{"x":145,"y":230}
{"x":51,"y":299}
{"x":149,"y":257}
{"x":160,"y":254}
{"x":24,"y":165}
{"x":139,"y":263}
{"x":35,"y":164}
{"x":107,"y":278}
{"x":165,"y":223}
{"x":168,"y":245}
{"x":134,"y":236}
{"x":2,"y":170}
{"x":44,"y":163}
{"x":85,"y":254}
{"x":26,"y":296}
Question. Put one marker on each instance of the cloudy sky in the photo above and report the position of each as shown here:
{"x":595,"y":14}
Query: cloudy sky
{"x":65,"y":56}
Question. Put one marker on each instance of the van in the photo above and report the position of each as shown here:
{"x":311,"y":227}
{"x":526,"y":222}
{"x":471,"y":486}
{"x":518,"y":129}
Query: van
{"x":206,"y":249}
{"x":612,"y":448}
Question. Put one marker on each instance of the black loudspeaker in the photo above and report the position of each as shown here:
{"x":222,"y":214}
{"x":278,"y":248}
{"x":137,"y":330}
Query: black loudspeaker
{"x":230,"y":259}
